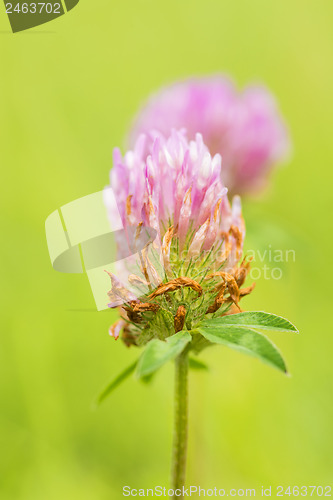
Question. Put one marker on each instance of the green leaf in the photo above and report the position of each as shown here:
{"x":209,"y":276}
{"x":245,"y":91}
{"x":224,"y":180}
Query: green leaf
{"x":195,"y":364}
{"x":158,"y":352}
{"x":244,"y":340}
{"x":161,"y":324}
{"x":256,"y":319}
{"x":115,"y":382}
{"x":148,"y":379}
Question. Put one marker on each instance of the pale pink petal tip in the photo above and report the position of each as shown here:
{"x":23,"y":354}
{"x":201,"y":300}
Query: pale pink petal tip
{"x":115,"y":329}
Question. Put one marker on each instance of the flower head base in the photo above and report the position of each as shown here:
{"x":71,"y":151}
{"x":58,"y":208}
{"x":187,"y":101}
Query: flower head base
{"x":191,"y":268}
{"x":245,"y":128}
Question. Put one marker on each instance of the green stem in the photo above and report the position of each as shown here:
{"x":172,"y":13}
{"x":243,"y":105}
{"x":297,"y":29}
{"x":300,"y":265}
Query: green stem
{"x":180,"y":423}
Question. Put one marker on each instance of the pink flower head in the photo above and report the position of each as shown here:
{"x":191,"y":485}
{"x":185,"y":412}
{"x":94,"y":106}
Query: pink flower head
{"x":245,"y":128}
{"x":177,"y":183}
{"x":173,"y":186}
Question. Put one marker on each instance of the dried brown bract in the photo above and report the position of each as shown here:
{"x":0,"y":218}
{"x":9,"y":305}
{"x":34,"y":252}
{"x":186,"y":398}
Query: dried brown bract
{"x":166,"y":245}
{"x":128,"y":205}
{"x":242,"y":271}
{"x":145,"y":306}
{"x":236,"y":233}
{"x":218,"y":300}
{"x":230,"y":282}
{"x":247,"y":290}
{"x":175,"y":284}
{"x":135,"y":308}
{"x":180,"y":318}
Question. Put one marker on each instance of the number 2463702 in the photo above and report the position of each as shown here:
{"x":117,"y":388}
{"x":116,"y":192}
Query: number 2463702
{"x":33,"y":8}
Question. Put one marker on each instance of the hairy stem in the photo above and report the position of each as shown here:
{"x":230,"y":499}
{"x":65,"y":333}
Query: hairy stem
{"x":179,"y":450}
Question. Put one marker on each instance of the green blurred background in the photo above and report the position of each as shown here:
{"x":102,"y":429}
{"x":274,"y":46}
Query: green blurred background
{"x":68,"y":92}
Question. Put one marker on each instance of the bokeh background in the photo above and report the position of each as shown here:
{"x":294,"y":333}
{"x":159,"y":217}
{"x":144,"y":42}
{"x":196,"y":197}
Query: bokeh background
{"x":69,"y":90}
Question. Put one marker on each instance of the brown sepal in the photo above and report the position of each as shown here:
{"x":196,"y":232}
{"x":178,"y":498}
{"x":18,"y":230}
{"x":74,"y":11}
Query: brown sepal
{"x":242,"y":271}
{"x":231,"y":284}
{"x":175,"y":284}
{"x":219,"y":299}
{"x":179,"y":318}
